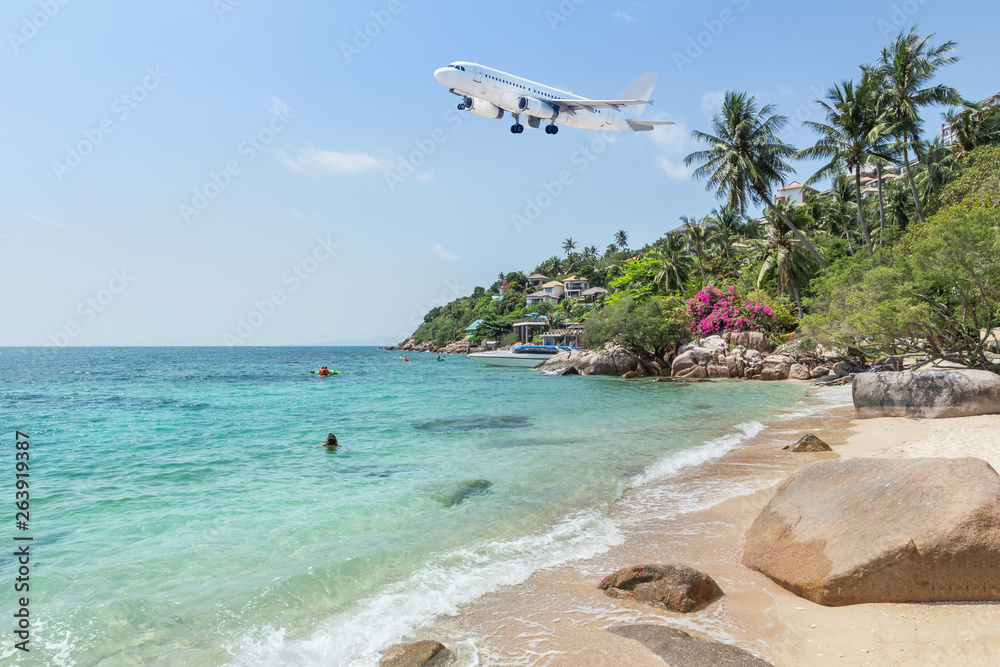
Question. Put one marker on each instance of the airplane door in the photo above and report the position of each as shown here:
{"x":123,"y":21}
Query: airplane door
{"x":478,"y":76}
{"x":609,"y":118}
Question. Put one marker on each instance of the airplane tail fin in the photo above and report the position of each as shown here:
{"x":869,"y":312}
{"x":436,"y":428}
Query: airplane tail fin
{"x":640,"y":90}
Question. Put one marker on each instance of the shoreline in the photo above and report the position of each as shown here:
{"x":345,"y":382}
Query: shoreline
{"x":699,"y":516}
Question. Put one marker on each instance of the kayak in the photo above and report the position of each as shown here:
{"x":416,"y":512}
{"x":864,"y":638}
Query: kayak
{"x":330,"y":373}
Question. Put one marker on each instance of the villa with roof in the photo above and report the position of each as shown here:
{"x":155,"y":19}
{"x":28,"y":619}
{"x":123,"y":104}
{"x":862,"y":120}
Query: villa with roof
{"x":794,"y":193}
{"x":537,"y":279}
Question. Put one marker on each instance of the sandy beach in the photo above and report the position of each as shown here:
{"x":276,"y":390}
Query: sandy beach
{"x":699,"y":517}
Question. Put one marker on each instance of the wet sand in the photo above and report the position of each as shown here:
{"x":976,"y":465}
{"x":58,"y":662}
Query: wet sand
{"x":698,"y":517}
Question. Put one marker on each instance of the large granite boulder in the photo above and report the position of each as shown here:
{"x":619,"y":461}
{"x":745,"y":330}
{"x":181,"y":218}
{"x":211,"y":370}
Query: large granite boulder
{"x":850,"y":531}
{"x":799,"y":372}
{"x":609,"y":360}
{"x":751,"y":340}
{"x":679,"y":649}
{"x":776,"y":367}
{"x":809,"y":443}
{"x":929,"y":394}
{"x":691,"y":357}
{"x":427,"y":653}
{"x":676,"y":587}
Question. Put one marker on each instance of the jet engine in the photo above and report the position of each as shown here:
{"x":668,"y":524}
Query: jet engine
{"x":536,"y":108}
{"x":482,"y":108}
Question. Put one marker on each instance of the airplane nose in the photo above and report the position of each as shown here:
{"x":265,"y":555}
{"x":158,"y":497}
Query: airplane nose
{"x":440,"y":74}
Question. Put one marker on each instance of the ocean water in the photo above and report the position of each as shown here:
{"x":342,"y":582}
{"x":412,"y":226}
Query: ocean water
{"x":184,"y":512}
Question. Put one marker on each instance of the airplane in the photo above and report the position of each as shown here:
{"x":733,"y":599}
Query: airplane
{"x":489,"y":92}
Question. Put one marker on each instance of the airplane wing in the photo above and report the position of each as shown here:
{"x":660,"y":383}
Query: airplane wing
{"x":571,"y":106}
{"x":646,"y":125}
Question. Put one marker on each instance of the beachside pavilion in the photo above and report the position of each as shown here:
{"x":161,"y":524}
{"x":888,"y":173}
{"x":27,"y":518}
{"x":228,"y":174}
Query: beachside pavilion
{"x":568,"y":337}
{"x":527,"y":328}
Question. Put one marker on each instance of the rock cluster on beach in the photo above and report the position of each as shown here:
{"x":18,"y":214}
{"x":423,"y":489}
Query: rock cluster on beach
{"x":927,"y":394}
{"x":679,"y":649}
{"x":609,"y":360}
{"x":676,"y":587}
{"x":740,"y":355}
{"x":410,"y":345}
{"x":809,"y":443}
{"x":858,"y":530}
{"x":428,"y":653}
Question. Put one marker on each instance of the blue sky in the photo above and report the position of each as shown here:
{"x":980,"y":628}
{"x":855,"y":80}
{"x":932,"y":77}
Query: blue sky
{"x":204,"y":172}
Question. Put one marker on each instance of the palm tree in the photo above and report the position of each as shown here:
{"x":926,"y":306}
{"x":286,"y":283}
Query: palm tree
{"x":554,"y":265}
{"x":842,"y":194}
{"x":746,"y":158}
{"x":940,"y":164}
{"x":852,"y":136}
{"x":590,"y":252}
{"x":906,"y":67}
{"x":621,"y":239}
{"x":675,"y":264}
{"x":723,"y":230}
{"x":973,"y":126}
{"x":786,"y":255}
{"x":697,"y":238}
{"x":899,"y":205}
{"x":611,"y":250}
{"x":569,"y":245}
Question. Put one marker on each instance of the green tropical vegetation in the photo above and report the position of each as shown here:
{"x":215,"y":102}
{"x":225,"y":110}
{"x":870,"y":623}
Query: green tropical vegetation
{"x":898,"y":255}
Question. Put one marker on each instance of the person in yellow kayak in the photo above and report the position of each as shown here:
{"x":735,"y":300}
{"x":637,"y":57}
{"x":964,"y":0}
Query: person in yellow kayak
{"x":324,"y":371}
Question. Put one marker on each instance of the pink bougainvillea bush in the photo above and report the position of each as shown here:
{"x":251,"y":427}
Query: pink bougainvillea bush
{"x":714,"y":311}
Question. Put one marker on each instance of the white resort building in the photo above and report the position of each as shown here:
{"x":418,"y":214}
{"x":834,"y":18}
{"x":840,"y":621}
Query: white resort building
{"x":575,"y":287}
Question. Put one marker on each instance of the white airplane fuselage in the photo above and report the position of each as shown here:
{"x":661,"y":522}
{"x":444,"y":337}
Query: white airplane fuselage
{"x":490,"y":92}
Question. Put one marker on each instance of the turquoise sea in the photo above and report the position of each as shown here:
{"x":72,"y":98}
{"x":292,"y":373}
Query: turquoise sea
{"x":183,"y":511}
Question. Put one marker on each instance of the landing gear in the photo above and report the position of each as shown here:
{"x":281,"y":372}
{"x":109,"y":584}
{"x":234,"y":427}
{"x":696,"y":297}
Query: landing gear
{"x":516,"y":128}
{"x":461,"y":106}
{"x":552,"y":129}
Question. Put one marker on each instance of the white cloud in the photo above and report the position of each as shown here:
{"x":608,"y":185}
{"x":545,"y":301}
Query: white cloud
{"x":623,"y":16}
{"x":44,"y":221}
{"x":675,"y":169}
{"x":712,"y":101}
{"x":297,"y":214}
{"x":675,"y":141}
{"x":312,"y":160}
{"x":674,"y":138}
{"x":444,"y":253}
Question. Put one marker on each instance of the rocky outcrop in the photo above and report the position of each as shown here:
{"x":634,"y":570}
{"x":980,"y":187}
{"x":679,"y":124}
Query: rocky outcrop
{"x":677,"y":587}
{"x":927,"y":394}
{"x":799,"y":372}
{"x":410,"y":345}
{"x":751,"y":340}
{"x":609,"y":360}
{"x":714,"y":357}
{"x":850,"y":531}
{"x":776,"y":367}
{"x":679,"y":649}
{"x":427,"y":653}
{"x":809,"y":443}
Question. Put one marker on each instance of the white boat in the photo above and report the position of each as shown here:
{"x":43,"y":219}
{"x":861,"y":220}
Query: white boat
{"x":526,"y":356}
